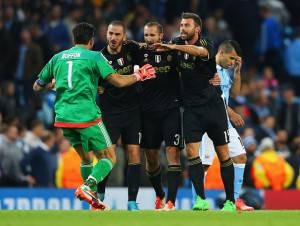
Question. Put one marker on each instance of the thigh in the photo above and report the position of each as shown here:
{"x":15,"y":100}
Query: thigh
{"x":151,"y":132}
{"x":113,"y":123}
{"x":131,"y":131}
{"x":217,"y":127}
{"x":235,"y":145}
{"x":207,"y":150}
{"x":72,"y":135}
{"x":193,"y":125}
{"x":95,"y":137}
{"x":171,"y":127}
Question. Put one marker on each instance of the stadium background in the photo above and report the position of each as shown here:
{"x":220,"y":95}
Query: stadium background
{"x":32,"y":31}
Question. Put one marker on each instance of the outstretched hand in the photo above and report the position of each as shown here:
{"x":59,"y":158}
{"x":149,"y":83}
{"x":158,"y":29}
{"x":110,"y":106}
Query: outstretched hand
{"x":145,"y":72}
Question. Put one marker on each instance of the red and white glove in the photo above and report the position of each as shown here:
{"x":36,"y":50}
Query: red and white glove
{"x":145,"y":72}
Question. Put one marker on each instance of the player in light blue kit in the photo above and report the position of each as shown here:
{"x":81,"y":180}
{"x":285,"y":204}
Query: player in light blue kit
{"x":229,"y":64}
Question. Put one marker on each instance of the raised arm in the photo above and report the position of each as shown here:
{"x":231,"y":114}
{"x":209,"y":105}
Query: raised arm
{"x":190,"y":49}
{"x":236,"y":86}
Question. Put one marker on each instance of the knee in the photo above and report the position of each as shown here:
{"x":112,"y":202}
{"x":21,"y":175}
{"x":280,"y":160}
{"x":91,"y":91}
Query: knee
{"x":112,"y":156}
{"x":173,"y":156}
{"x":134,"y":156}
{"x":240,"y":159}
{"x":192,"y":152}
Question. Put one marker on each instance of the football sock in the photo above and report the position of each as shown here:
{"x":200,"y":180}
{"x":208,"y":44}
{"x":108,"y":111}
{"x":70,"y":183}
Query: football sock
{"x":174,"y":172}
{"x":227,"y":174}
{"x":133,"y":180}
{"x":86,"y":169}
{"x":100,"y":171}
{"x":155,"y":179}
{"x":238,"y":179}
{"x":196,"y":173}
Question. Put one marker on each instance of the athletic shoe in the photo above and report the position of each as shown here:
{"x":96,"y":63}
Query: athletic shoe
{"x":132,"y":206}
{"x":229,"y":206}
{"x":200,"y":204}
{"x":94,"y":208}
{"x":160,"y":203}
{"x":241,"y":206}
{"x":85,"y":193}
{"x":169,"y":206}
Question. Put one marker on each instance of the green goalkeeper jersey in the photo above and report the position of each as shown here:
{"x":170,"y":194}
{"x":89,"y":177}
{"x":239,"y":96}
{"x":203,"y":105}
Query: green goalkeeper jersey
{"x":76,"y":72}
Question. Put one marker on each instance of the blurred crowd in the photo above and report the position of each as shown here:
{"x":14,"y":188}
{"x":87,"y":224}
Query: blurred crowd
{"x":33,"y":153}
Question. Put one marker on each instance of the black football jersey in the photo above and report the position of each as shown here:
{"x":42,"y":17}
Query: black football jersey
{"x":114,"y":99}
{"x":162,"y":92}
{"x":195,"y":74}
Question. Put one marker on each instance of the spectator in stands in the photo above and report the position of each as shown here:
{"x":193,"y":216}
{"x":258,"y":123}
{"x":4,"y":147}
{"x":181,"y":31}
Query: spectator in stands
{"x":260,"y":106}
{"x":266,"y":129}
{"x":292,"y":60}
{"x":215,"y":32}
{"x":8,"y":104}
{"x":68,"y":173}
{"x":58,"y":31}
{"x":29,"y":63}
{"x":32,"y":137}
{"x":10,"y":159}
{"x":41,"y":157}
{"x":100,"y":42}
{"x":270,"y":41}
{"x":73,"y":17}
{"x":41,"y":39}
{"x":281,"y":144}
{"x":269,"y":170}
{"x":289,"y":113}
{"x":270,"y":82}
{"x":7,"y":47}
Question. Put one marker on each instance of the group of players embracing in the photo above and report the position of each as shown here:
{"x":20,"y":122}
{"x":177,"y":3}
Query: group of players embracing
{"x":150,"y":92}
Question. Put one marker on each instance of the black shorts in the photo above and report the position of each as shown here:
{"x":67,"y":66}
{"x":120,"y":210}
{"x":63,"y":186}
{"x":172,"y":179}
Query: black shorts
{"x":125,"y":124}
{"x":210,"y":118}
{"x":158,"y":126}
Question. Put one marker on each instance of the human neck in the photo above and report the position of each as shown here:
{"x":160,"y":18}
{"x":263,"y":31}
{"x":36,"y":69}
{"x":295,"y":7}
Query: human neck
{"x":82,"y":46}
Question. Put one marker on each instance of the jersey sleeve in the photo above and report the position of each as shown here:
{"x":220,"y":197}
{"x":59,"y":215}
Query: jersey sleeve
{"x":46,"y":75}
{"x":104,"y":67}
{"x":210,"y":48}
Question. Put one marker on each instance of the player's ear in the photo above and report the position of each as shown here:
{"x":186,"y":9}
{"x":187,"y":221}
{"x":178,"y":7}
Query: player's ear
{"x":161,"y":36}
{"x":198,"y":29}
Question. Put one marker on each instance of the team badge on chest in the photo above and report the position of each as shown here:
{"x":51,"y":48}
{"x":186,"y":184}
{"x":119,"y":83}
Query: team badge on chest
{"x":120,"y":61}
{"x":157,"y":58}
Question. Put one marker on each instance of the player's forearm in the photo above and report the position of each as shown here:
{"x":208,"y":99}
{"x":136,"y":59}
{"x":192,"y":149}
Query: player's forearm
{"x":36,"y":87}
{"x":230,"y":111}
{"x":121,"y":80}
{"x":192,"y":50}
{"x":236,"y":87}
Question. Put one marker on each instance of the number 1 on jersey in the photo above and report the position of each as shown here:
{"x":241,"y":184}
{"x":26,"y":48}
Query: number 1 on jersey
{"x":70,"y":65}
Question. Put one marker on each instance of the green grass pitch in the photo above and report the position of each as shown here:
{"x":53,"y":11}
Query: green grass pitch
{"x":148,"y":218}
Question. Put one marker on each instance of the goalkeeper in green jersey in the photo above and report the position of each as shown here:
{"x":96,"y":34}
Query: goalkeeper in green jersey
{"x":75,"y":73}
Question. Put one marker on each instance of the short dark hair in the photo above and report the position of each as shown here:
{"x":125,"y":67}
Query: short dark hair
{"x":193,"y":16}
{"x":230,"y":45}
{"x":118,"y":23}
{"x":157,"y":25}
{"x":83,"y":33}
